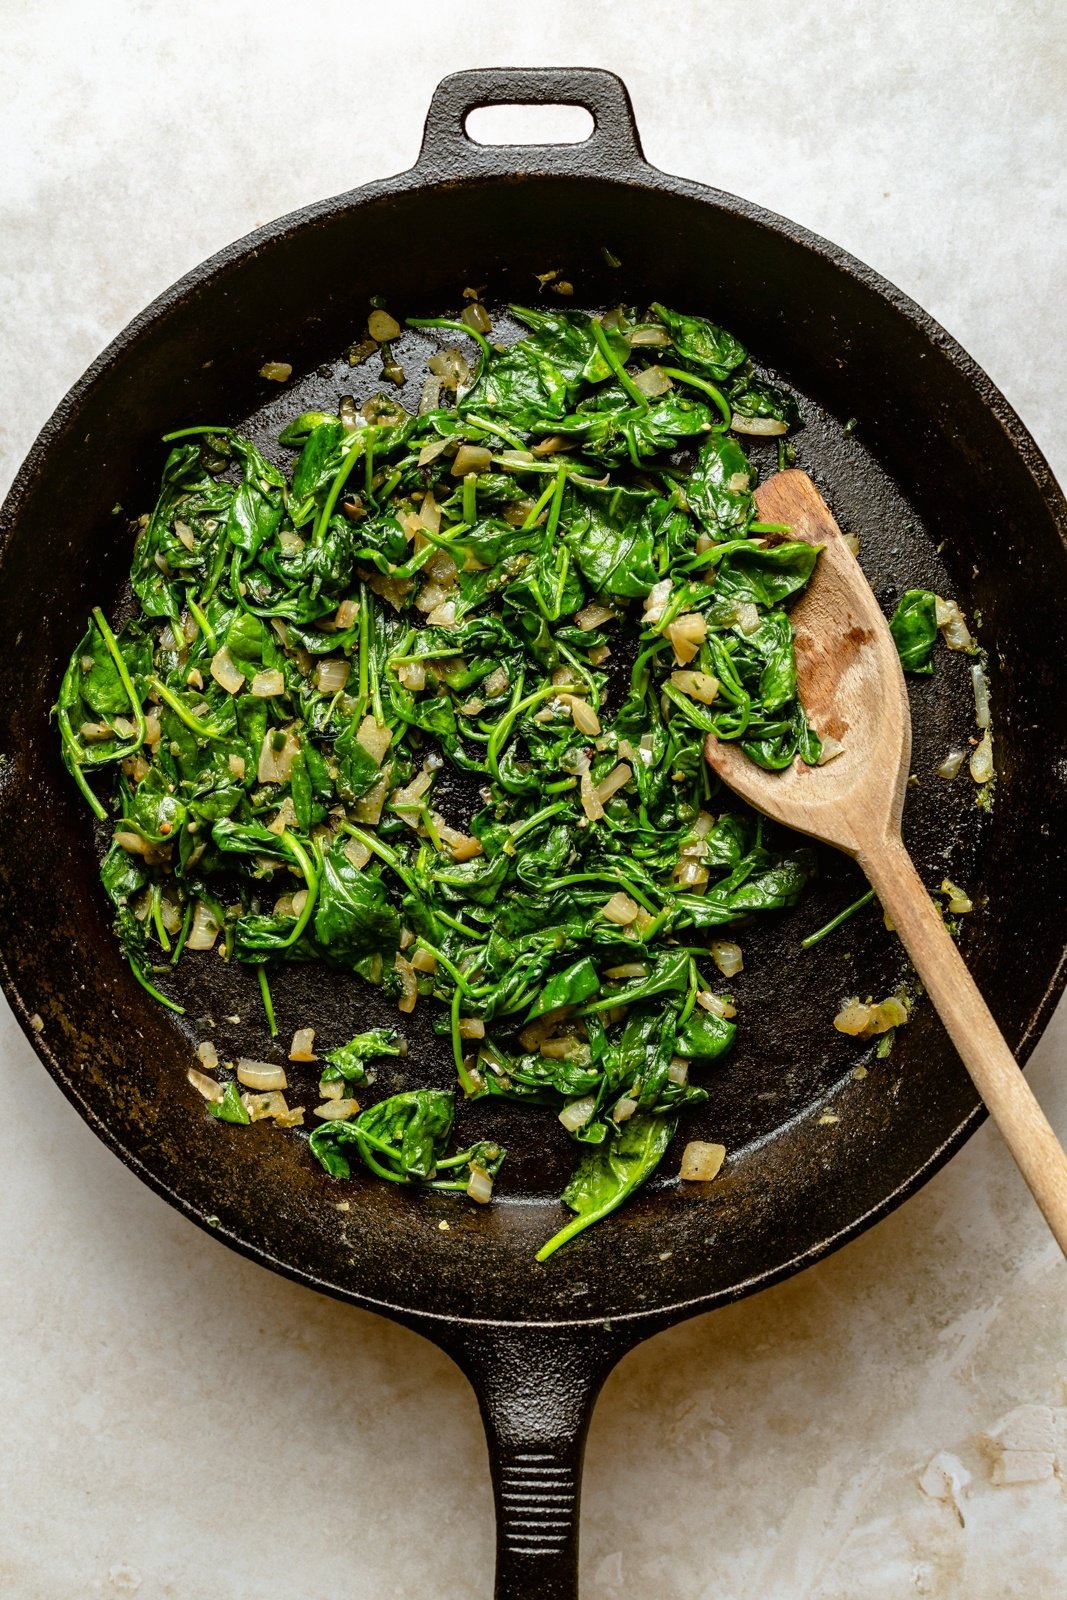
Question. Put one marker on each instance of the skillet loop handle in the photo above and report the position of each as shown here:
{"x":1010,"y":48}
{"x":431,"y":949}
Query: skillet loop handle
{"x":536,"y":1386}
{"x":614,"y":146}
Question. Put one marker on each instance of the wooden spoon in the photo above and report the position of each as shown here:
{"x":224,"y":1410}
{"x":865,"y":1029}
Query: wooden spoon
{"x":852,"y":686}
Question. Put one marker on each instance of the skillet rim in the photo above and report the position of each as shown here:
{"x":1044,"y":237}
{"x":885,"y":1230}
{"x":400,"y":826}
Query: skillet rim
{"x":496,"y":164}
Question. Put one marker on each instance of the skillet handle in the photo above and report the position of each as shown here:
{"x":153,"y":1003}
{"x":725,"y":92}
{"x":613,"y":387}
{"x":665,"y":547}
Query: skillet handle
{"x":613,"y":147}
{"x":536,"y":1386}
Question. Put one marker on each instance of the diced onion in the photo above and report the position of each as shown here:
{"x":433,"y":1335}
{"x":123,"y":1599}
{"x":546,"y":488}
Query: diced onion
{"x":291,"y":1117}
{"x":627,"y":969}
{"x":479,"y":1185}
{"x":382,"y":327}
{"x":700,"y":686}
{"x":656,"y":602}
{"x":357,"y":852}
{"x":653,"y":381}
{"x":208,"y":1056}
{"x":331,"y":1088}
{"x":620,"y":909}
{"x":345,"y":615}
{"x":424,"y":960}
{"x":624,"y":1109}
{"x":950,"y":767}
{"x":432,"y":595}
{"x":471,"y":458}
{"x":284,"y":817}
{"x":701,"y":1162}
{"x":471,"y":1028}
{"x":204,"y":930}
{"x":959,"y":902}
{"x":375,"y":738}
{"x":981,"y":695}
{"x":691,"y":874}
{"x":687,"y":633}
{"x":830,"y":749}
{"x":583,"y":716}
{"x":760,"y":426}
{"x":593,"y":616}
{"x":443,"y":616}
{"x":953,"y":624}
{"x":304,"y":1038}
{"x":134,"y":844}
{"x":576,"y":1113}
{"x":678,"y":1071}
{"x":236,"y":765}
{"x":715,"y":1004}
{"x":650,"y":334}
{"x":337,"y":1110}
{"x":413,"y":676}
{"x":260,"y":1106}
{"x":275,"y":766}
{"x":497,"y":683}
{"x":590,"y":799}
{"x":726,"y":956}
{"x":451,"y":367}
{"x":616,"y":779}
{"x":747,"y":617}
{"x":260,"y":1075}
{"x":409,"y":990}
{"x":476,"y":316}
{"x":267,"y":684}
{"x":368,"y":807}
{"x":981,"y":762}
{"x":205,"y":1085}
{"x":864,"y":1021}
{"x":276,"y":371}
{"x":225,"y":672}
{"x":568,"y":1047}
{"x":332,"y":675}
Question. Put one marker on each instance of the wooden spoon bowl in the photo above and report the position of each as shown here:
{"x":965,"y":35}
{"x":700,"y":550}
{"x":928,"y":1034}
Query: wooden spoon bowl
{"x":852,"y":686}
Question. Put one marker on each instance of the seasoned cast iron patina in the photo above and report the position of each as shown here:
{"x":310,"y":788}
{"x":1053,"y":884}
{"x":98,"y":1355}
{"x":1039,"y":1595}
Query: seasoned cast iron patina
{"x":938,"y":463}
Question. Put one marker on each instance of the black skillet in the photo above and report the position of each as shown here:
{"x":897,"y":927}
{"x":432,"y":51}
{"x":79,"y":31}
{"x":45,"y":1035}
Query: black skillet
{"x":945,"y":488}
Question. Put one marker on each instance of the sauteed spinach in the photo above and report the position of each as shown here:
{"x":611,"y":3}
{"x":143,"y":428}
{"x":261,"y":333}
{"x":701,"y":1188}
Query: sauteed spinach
{"x":427,"y":605}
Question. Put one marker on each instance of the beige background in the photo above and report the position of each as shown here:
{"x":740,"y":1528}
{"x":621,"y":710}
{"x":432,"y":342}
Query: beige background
{"x":178,"y":1423}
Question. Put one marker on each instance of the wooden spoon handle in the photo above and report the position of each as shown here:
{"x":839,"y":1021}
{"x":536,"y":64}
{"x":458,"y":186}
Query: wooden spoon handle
{"x":997,"y":1076}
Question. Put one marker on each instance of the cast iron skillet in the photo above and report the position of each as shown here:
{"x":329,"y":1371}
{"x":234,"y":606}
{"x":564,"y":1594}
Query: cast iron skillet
{"x":939,"y":459}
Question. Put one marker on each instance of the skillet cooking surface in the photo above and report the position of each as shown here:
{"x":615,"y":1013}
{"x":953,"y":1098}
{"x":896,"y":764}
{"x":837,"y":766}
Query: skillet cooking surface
{"x":929,"y":465}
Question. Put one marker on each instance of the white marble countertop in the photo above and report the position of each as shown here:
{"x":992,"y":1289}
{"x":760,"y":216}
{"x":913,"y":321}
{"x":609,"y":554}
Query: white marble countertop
{"x":179,"y":1423}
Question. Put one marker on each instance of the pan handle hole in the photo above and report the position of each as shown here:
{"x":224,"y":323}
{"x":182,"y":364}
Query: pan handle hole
{"x":509,"y":124}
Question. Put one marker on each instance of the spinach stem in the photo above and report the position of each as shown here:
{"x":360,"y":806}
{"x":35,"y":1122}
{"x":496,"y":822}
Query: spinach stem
{"x":187,"y":922}
{"x":203,"y":624}
{"x":268,"y":1003}
{"x":362,"y":442}
{"x":496,"y":428}
{"x":715,"y":395}
{"x":616,"y":365}
{"x":459,"y":327}
{"x":157,"y":918}
{"x":539,"y":506}
{"x":171,"y":1005}
{"x":204,"y":730}
{"x":835,"y":922}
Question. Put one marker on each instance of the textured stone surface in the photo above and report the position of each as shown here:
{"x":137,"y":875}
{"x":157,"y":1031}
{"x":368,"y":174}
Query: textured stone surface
{"x":177,"y":1423}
